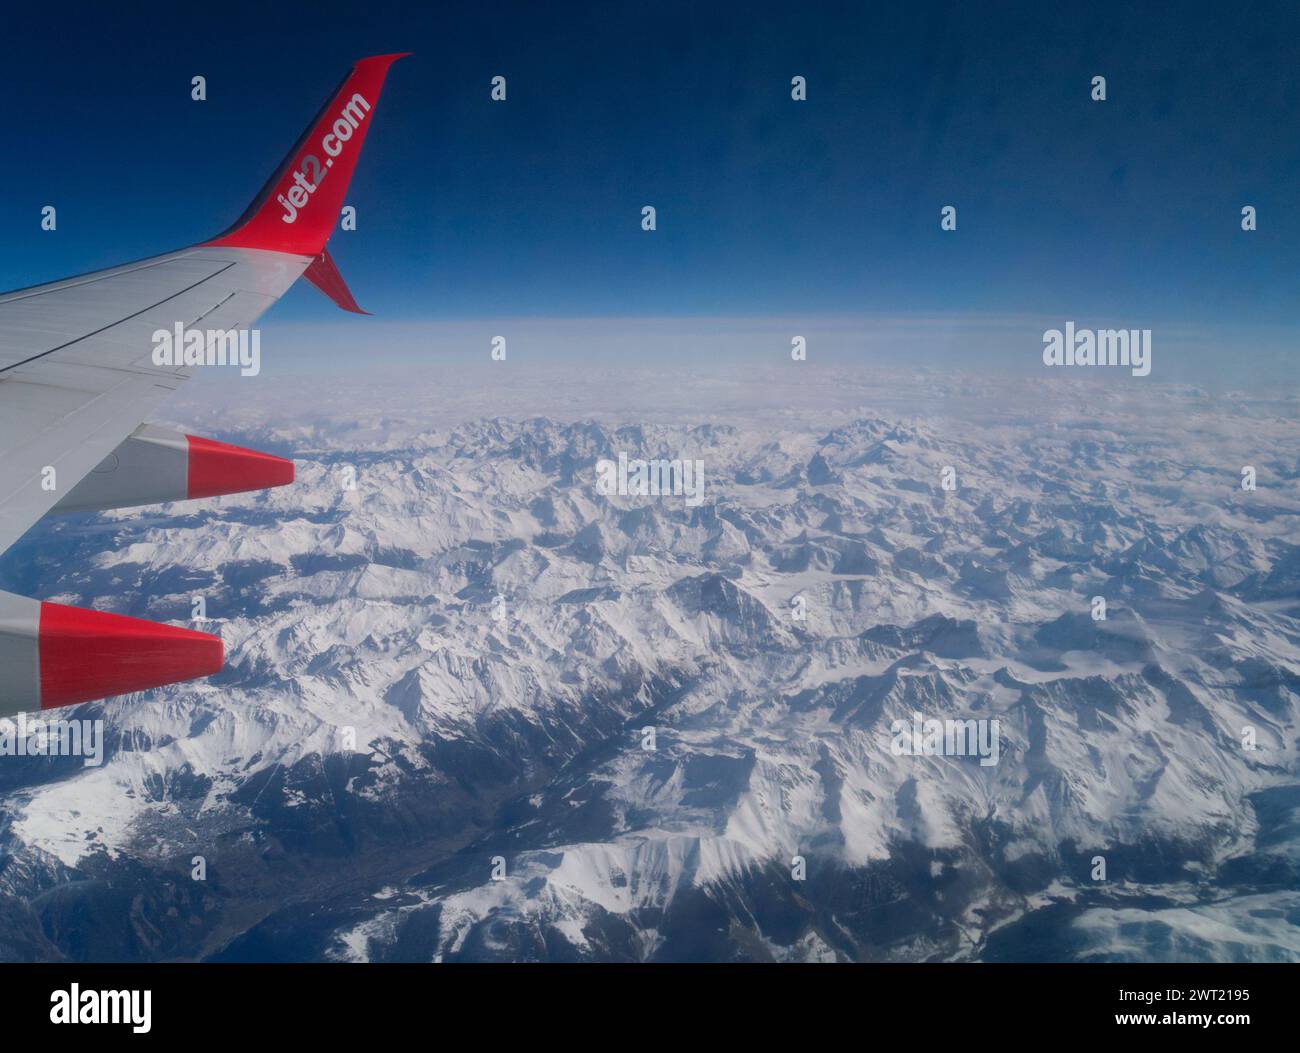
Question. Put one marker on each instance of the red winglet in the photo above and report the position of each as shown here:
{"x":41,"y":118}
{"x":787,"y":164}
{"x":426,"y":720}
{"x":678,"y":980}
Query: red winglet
{"x":324,"y":274}
{"x":296,"y":211}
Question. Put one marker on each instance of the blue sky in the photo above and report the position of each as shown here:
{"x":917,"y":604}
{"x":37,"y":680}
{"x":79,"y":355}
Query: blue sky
{"x":1126,"y":210}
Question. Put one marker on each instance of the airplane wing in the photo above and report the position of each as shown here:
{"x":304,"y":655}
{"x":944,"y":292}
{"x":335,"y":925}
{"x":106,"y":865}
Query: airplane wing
{"x":84,"y":361}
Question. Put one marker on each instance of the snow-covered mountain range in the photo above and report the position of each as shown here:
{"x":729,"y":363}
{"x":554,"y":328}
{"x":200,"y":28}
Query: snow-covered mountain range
{"x":474,"y":708}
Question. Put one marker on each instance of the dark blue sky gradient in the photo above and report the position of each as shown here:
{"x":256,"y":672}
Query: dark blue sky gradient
{"x":470,"y":208}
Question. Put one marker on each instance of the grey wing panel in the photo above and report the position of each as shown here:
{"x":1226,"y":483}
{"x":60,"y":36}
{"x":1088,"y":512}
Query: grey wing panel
{"x":76,"y":369}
